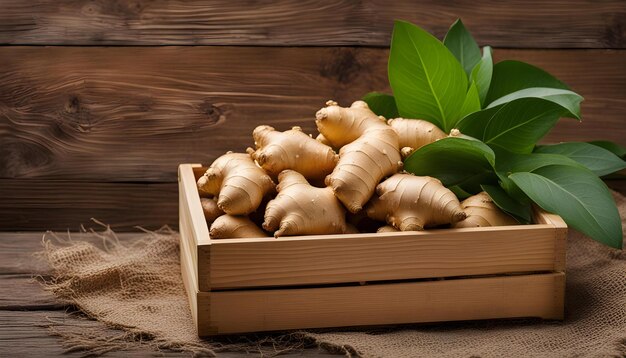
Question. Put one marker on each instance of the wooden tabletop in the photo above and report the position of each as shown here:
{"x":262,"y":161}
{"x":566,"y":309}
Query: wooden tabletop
{"x":26,"y":309}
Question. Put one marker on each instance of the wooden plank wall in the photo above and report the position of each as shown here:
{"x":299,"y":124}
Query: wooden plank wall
{"x":100,"y":100}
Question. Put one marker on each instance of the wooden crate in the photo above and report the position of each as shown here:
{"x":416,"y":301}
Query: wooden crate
{"x":265,"y":284}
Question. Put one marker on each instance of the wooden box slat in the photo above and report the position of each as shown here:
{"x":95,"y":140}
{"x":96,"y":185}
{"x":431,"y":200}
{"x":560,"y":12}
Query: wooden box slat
{"x":246,"y":285}
{"x":188,"y":267}
{"x":537,"y":295}
{"x":375,"y":257}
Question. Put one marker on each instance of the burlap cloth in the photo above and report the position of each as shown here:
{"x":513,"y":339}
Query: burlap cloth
{"x":137,"y":288}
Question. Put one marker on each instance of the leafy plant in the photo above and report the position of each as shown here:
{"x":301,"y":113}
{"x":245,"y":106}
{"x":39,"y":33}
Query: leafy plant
{"x":502,"y":110}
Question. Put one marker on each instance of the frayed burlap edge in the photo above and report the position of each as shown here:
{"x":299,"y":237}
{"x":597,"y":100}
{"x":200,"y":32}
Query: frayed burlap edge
{"x":99,"y":338}
{"x":92,"y":335}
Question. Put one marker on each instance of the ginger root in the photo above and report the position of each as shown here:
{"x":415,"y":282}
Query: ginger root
{"x":369,"y":151}
{"x":481,"y":211}
{"x":237,"y":182}
{"x":415,"y":133}
{"x":230,"y":227}
{"x":406,"y":151}
{"x":411,"y":203}
{"x":320,"y":138}
{"x":387,"y":228}
{"x":292,"y":149}
{"x":210,"y":209}
{"x":302,"y":209}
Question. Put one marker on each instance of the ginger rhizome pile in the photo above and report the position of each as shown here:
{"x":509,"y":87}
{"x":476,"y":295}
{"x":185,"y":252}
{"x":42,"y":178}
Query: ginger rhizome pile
{"x":369,"y":151}
{"x":317,"y":187}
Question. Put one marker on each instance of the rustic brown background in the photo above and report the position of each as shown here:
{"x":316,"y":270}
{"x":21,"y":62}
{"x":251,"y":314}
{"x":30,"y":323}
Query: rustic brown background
{"x":100,"y":100}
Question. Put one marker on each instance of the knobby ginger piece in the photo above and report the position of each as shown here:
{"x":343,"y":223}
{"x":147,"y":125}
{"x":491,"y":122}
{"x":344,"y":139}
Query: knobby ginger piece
{"x":410,"y":203}
{"x":237,"y":182}
{"x":292,"y":149}
{"x":302,"y":209}
{"x":210,"y":209}
{"x":481,"y":212}
{"x":231,"y":227}
{"x":369,"y":151}
{"x":415,"y":133}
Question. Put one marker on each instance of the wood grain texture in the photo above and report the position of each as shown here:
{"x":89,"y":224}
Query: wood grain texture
{"x":545,"y":24}
{"x":24,"y":334}
{"x":134,"y":114}
{"x":31,"y":297}
{"x":190,"y":209}
{"x":447,"y":300}
{"x":599,"y":76}
{"x":189,"y":271}
{"x":560,"y":236}
{"x":18,"y":249}
{"x":326,"y":259}
{"x":66,"y":205}
{"x":26,"y":309}
{"x":377,"y":257}
{"x":17,"y":254}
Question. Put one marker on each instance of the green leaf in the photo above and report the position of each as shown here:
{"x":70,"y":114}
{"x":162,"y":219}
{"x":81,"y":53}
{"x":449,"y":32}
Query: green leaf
{"x":472,"y":101}
{"x":578,"y":196}
{"x":427,"y":80}
{"x":382,"y":104}
{"x":570,"y":101}
{"x":512,"y":189}
{"x":507,"y":162}
{"x":463,"y":46}
{"x":612,"y":147}
{"x":481,"y":74}
{"x":454,"y":161}
{"x":517,"y":121}
{"x":521,"y":211}
{"x":512,"y":76}
{"x":597,"y":159}
{"x":515,"y":126}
